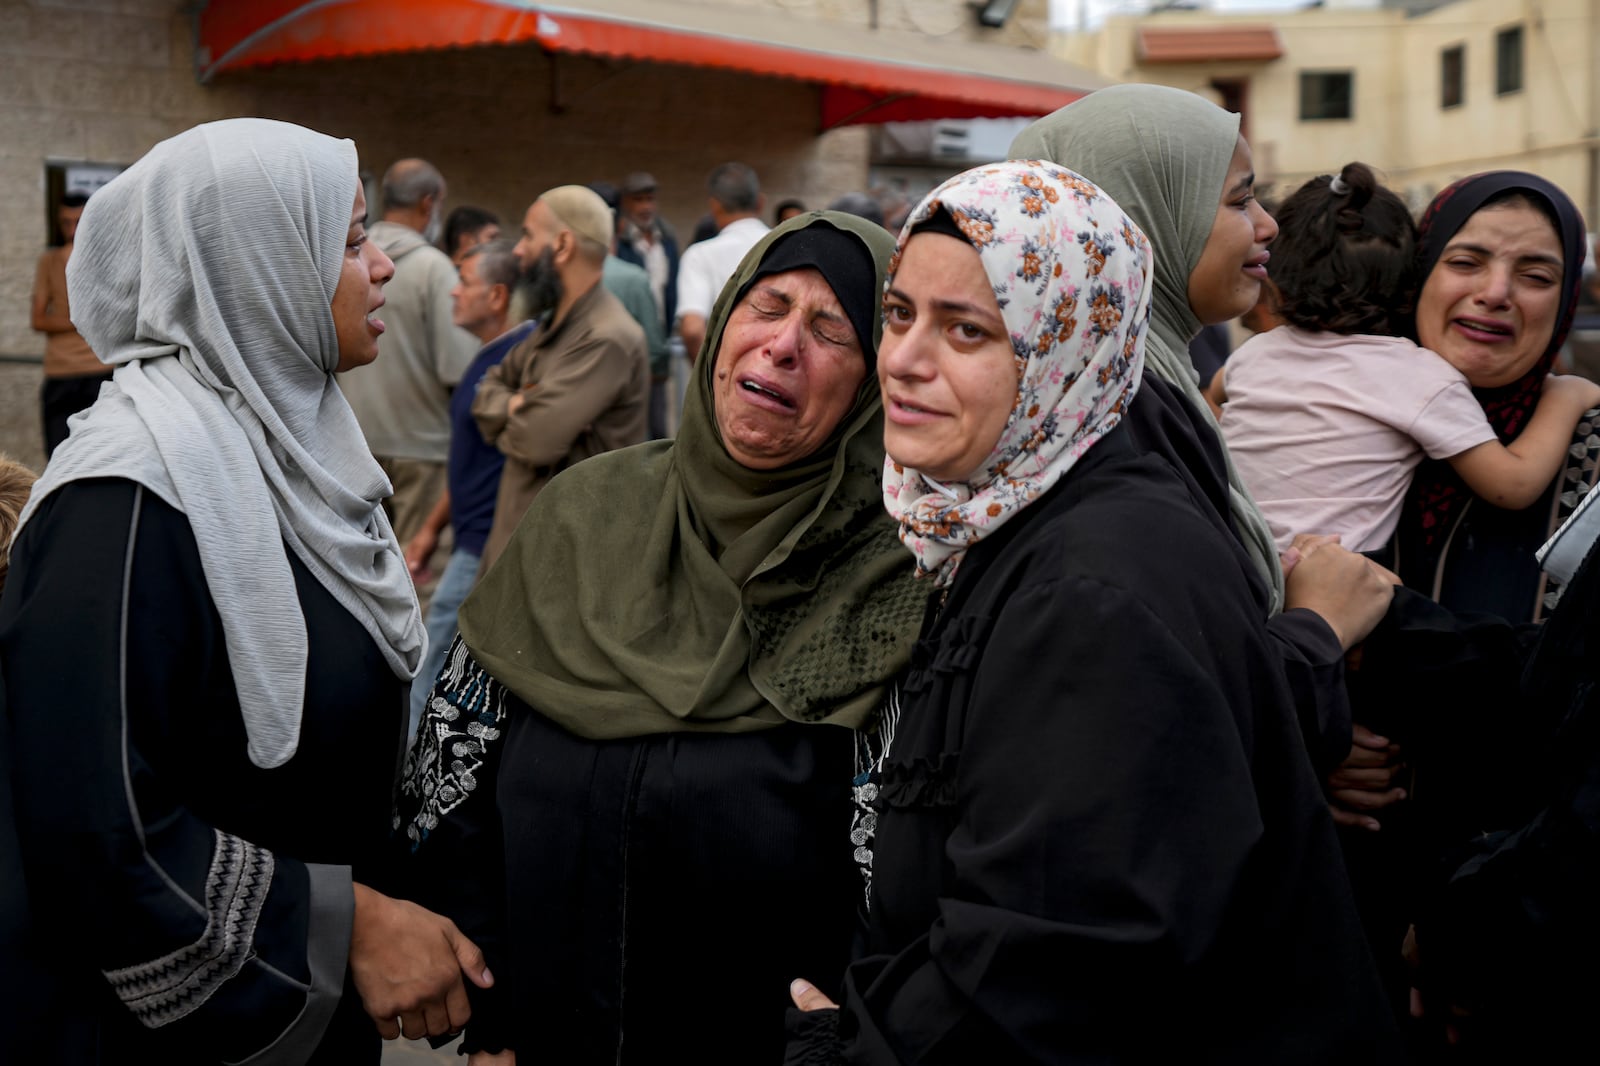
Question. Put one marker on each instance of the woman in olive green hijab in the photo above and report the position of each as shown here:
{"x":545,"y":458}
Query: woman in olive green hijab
{"x":634,"y":773}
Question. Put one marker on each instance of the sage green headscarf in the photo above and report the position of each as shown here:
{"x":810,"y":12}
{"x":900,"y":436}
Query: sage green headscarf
{"x":667,"y":588}
{"x":1163,"y":155}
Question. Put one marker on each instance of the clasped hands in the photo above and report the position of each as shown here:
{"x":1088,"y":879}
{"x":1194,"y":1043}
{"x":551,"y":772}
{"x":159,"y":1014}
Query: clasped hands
{"x":406,"y":963}
{"x":1351,"y":593}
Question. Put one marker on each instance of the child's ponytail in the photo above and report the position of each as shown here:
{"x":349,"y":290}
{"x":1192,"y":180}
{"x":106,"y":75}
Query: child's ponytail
{"x":1344,"y":260}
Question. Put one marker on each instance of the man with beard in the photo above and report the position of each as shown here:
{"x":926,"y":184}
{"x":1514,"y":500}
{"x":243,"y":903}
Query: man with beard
{"x":580,"y":385}
{"x":403,"y":400}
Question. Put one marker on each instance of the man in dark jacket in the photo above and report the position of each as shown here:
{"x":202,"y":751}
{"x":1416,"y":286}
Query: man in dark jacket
{"x":647,"y":241}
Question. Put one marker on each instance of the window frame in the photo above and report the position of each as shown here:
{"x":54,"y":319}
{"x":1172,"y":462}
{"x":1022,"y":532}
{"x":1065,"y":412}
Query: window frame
{"x":1457,"y":52}
{"x":1504,"y":69}
{"x":1306,"y":77}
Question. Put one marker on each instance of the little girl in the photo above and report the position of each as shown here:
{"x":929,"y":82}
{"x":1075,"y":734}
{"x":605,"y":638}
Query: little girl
{"x":1328,"y":416}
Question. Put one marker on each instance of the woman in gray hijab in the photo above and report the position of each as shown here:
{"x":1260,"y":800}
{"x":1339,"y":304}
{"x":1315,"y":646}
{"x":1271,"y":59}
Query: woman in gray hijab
{"x":208,"y":630}
{"x":1179,"y":166}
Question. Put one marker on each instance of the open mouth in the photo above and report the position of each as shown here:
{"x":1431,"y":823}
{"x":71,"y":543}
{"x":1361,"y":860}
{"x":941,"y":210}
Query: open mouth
{"x":1484,"y":328}
{"x":767,"y":392}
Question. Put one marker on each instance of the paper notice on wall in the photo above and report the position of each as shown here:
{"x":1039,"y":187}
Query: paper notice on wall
{"x":83,"y":179}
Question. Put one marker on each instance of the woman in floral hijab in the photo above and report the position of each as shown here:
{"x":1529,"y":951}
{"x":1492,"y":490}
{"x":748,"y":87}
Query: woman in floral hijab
{"x":1097,"y":831}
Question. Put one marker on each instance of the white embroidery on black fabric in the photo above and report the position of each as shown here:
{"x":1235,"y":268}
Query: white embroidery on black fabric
{"x":164,"y":990}
{"x":464,"y":715}
{"x":871,"y":748}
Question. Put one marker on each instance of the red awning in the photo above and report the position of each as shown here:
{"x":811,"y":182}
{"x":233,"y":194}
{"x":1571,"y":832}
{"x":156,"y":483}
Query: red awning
{"x":1208,"y":44}
{"x":867,"y":76}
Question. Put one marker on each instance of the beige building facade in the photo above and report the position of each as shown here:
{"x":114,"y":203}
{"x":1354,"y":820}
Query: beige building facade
{"x":1470,"y":86}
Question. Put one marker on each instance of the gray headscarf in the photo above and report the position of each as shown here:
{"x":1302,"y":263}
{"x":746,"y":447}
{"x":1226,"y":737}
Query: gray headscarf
{"x":204,"y":274}
{"x":1163,"y":155}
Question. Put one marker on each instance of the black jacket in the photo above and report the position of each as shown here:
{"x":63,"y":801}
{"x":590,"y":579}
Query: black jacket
{"x":1100,"y":837}
{"x":669,"y":297}
{"x":187,"y":905}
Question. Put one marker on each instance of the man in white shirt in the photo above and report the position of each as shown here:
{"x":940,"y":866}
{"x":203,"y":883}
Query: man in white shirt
{"x":736,"y":203}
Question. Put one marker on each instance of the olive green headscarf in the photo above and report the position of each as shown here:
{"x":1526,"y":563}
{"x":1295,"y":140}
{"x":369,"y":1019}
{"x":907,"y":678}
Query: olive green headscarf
{"x":1162,"y":154}
{"x":667,"y":588}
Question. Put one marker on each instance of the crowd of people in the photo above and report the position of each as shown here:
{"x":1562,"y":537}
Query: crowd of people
{"x":957,"y":675}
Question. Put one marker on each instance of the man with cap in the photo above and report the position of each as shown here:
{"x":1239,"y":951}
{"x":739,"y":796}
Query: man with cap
{"x":646,"y":241}
{"x":629,"y":283}
{"x":580,"y":384}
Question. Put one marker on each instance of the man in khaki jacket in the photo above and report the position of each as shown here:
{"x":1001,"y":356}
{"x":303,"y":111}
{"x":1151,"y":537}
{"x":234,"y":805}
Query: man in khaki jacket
{"x":580,"y":385}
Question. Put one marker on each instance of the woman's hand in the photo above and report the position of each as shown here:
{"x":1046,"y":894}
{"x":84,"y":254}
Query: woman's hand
{"x":492,"y":1058}
{"x":807,"y":998}
{"x":1364,"y":782}
{"x":1344,"y":589}
{"x":1300,"y":547}
{"x":407,"y":963}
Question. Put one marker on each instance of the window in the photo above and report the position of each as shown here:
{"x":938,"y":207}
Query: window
{"x":63,"y":178}
{"x":1326,"y":94}
{"x":1508,"y":61}
{"x":1452,"y":76}
{"x":1232,"y":94}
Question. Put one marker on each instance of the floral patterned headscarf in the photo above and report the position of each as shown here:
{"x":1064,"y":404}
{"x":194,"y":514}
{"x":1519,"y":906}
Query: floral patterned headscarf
{"x":1071,"y":273}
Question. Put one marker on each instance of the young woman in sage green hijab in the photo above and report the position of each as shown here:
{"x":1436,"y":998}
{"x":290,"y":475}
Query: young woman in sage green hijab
{"x":1180,"y":168}
{"x":634,"y":773}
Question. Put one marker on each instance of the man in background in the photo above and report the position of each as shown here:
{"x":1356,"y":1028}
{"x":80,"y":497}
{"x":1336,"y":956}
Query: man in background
{"x":482,"y":302}
{"x":630,"y":284}
{"x":580,"y":384}
{"x":736,"y":209}
{"x":468,"y":226}
{"x":402,"y":401}
{"x":72,"y":373}
{"x":645,"y":240}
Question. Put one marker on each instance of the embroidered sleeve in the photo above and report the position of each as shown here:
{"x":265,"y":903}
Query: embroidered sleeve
{"x":463,"y":718}
{"x":448,"y":823}
{"x":162,"y":990}
{"x":213,"y":939}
